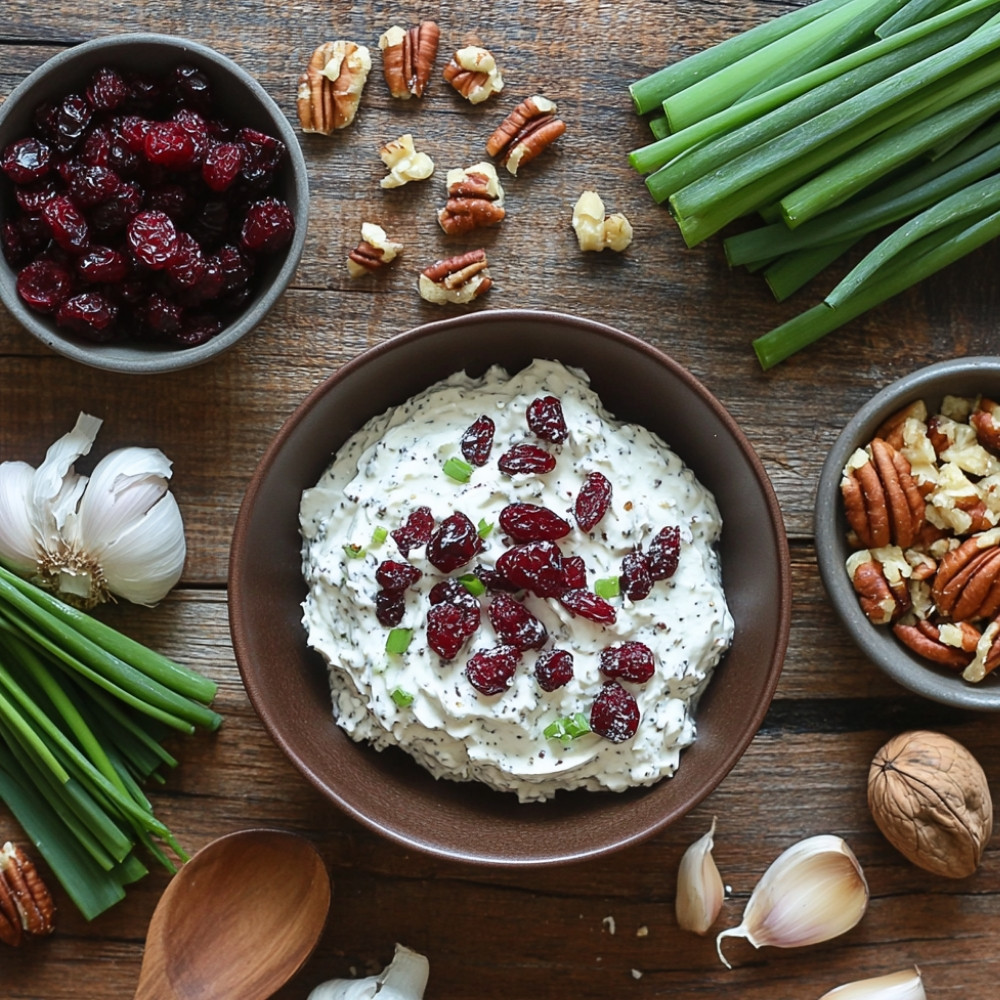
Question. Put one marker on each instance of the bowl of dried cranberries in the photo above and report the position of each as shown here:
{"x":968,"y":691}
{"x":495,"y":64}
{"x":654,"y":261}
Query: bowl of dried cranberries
{"x":502,"y":613}
{"x":153,"y":203}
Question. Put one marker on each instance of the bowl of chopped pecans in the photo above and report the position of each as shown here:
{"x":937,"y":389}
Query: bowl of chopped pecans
{"x":907,"y":508}
{"x":511,"y":588}
{"x":153,"y":203}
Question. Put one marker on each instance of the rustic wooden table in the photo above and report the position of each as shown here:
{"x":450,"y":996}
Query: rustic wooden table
{"x":605,"y":927}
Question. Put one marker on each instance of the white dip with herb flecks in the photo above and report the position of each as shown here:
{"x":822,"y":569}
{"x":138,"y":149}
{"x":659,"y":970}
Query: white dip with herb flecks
{"x":426,"y":705}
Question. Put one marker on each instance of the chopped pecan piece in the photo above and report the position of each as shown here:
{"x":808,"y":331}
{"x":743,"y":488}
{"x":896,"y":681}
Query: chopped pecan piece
{"x":891,"y":430}
{"x":475,"y":199}
{"x":594,"y":229}
{"x":374,"y":251}
{"x":405,"y":163}
{"x":881,"y":500}
{"x":26,"y":906}
{"x":528,"y":130}
{"x":880,"y":585}
{"x":474,"y":73}
{"x":985,"y":420}
{"x":408,"y":58}
{"x":457,"y":279}
{"x":967,"y":582}
{"x":330,"y":88}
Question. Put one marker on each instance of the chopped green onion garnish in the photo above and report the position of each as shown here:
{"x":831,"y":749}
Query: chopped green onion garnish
{"x":398,"y":640}
{"x":472,"y":584}
{"x":457,"y":469}
{"x":484,"y":527}
{"x":379,"y":535}
{"x":354,"y":551}
{"x":607,"y":587}
{"x":400,"y":697}
{"x":568,"y":728}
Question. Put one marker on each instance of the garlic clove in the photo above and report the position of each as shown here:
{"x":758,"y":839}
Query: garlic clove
{"x":18,"y":542}
{"x":812,"y":892}
{"x":699,"y":886}
{"x":404,"y":978}
{"x":904,"y":985}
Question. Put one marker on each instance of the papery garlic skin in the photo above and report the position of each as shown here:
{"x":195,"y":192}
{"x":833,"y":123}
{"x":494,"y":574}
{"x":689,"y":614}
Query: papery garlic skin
{"x":812,"y":892}
{"x":117,"y":533}
{"x":404,"y":978}
{"x":904,"y":985}
{"x":699,"y":886}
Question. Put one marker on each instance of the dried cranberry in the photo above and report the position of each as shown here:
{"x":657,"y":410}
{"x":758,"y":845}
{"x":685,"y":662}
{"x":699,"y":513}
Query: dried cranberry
{"x":535,"y":566}
{"x":66,"y":122}
{"x":490,"y":670}
{"x":615,"y":713}
{"x":494,"y":581}
{"x":197,"y":130}
{"x":88,"y":314}
{"x":635,"y":581}
{"x":96,"y":148}
{"x":574,"y":572}
{"x":173,"y":199}
{"x":68,"y":224}
{"x":26,"y":160}
{"x":515,"y":625}
{"x":153,"y":238}
{"x":145,"y":92}
{"x":44,"y":285}
{"x":593,"y":501}
{"x":263,"y":155}
{"x":101,"y":264}
{"x":162,"y":316}
{"x":586,"y":604}
{"x":528,"y":522}
{"x":90,"y":185}
{"x":454,"y":543}
{"x":452,"y":591}
{"x":526,"y":458}
{"x":221,"y":165}
{"x":391,"y":575}
{"x":389,"y":607}
{"x":554,"y":669}
{"x":546,"y":420}
{"x":32,"y":197}
{"x":191,"y":87}
{"x":663,"y":553}
{"x":197,"y":330}
{"x":478,"y":440}
{"x":629,"y":661}
{"x":120,"y":209}
{"x":16,"y":248}
{"x":187,"y":267}
{"x":449,"y":625}
{"x":107,"y":89}
{"x":131,"y":130}
{"x":236,"y":273}
{"x":269,"y":226}
{"x":168,"y":145}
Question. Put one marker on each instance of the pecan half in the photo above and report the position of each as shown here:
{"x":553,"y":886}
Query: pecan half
{"x":408,"y":58}
{"x":881,"y":499}
{"x":985,"y":420}
{"x":458,"y":279}
{"x":373,"y":252}
{"x":924,"y":638}
{"x":330,"y":89}
{"x":884,"y":596}
{"x":528,"y":130}
{"x":967,"y":582}
{"x":474,"y":73}
{"x":475,"y":199}
{"x":26,"y":906}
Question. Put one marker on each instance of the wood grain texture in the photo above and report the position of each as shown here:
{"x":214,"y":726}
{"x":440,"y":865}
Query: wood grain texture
{"x":604,"y":927}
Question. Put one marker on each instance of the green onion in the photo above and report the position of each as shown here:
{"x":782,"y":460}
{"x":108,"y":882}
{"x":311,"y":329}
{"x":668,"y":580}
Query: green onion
{"x":398,"y":640}
{"x":607,"y":587}
{"x":82,"y":708}
{"x":472,"y":584}
{"x":353,"y":551}
{"x":457,"y":469}
{"x":485,"y":527}
{"x":401,"y":697}
{"x":568,"y":728}
{"x":379,"y":535}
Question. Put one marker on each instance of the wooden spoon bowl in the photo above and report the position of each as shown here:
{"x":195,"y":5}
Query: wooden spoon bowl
{"x":238,"y":920}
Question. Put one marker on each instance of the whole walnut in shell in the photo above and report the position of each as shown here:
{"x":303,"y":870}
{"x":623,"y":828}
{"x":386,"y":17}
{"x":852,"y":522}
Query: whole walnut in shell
{"x":930,"y":799}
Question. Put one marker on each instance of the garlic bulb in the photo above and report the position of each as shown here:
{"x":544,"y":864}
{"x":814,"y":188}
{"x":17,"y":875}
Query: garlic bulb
{"x":812,"y":892}
{"x":118,"y":532}
{"x":699,"y":886}
{"x":404,"y":978}
{"x":904,"y":985}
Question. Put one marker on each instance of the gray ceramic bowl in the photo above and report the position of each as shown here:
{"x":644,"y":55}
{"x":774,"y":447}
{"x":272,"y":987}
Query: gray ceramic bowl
{"x":387,"y":791}
{"x":959,"y":377}
{"x":241,"y":100}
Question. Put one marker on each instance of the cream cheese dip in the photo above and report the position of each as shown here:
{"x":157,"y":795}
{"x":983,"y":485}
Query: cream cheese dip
{"x":425,"y":704}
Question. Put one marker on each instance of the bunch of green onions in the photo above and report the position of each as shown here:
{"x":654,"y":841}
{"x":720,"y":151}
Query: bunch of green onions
{"x":830,"y":123}
{"x":83,"y":710}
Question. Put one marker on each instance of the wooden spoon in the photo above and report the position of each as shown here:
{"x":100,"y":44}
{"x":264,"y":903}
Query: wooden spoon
{"x":238,"y":920}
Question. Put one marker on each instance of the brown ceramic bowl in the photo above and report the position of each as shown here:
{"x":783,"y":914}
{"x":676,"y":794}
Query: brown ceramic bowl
{"x":387,"y":791}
